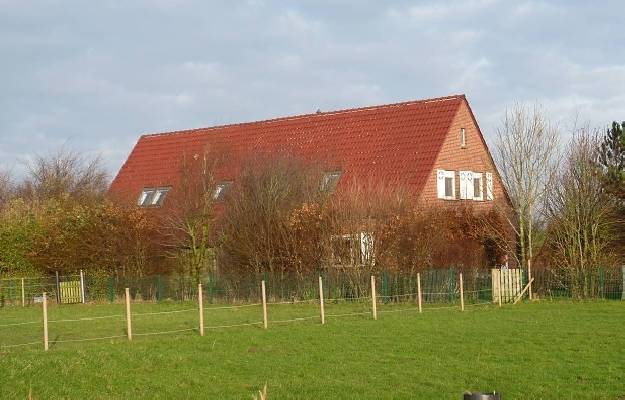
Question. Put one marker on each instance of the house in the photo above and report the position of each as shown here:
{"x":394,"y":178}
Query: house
{"x":433,"y":146}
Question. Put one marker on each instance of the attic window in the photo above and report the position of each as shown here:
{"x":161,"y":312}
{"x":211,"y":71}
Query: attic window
{"x":220,"y":191}
{"x":463,"y":138}
{"x":152,"y":197}
{"x":330,"y":180}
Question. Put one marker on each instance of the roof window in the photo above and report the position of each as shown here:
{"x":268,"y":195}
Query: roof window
{"x":152,"y":197}
{"x":330,"y":180}
{"x":220,"y":191}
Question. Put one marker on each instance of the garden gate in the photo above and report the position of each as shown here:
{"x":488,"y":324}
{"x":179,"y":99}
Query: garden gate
{"x":508,"y":281}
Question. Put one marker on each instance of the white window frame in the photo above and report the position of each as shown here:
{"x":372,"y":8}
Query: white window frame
{"x":480,"y":195}
{"x":331,"y":180}
{"x":152,"y":196}
{"x":221,"y":190}
{"x":441,"y":176}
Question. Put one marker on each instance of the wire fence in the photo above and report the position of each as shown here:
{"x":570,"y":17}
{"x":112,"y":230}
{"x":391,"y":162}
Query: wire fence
{"x":110,"y":322}
{"x":388,"y":294}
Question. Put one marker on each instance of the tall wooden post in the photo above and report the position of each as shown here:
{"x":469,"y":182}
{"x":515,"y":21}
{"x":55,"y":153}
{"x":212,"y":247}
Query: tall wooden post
{"x":461,"y":293}
{"x":23,"y":294}
{"x":529,"y":277}
{"x":200,"y":304}
{"x":321,"y":309}
{"x":45,"y":321}
{"x":374,"y":305}
{"x":82,"y":287}
{"x":58,"y":288}
{"x":499,"y":287}
{"x":419,"y":291}
{"x":128,"y":319}
{"x":264,"y":294}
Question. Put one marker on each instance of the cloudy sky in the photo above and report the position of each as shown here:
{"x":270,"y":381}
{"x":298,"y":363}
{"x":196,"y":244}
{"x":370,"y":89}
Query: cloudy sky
{"x":95,"y":75}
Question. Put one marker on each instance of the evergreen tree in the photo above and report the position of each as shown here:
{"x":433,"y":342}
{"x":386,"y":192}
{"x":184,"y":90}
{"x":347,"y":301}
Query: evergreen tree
{"x":612,"y":159}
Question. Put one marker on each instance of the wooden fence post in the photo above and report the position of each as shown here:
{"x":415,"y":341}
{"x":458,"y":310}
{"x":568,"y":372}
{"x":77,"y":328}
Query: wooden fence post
{"x":529,"y":278}
{"x":128,"y":319}
{"x":58,"y":288}
{"x":321,"y":310}
{"x":45,"y":321}
{"x":461,"y":293}
{"x":201,"y":307}
{"x":374,"y":305}
{"x":264,"y":294}
{"x":82,"y":287}
{"x":23,"y":294}
{"x":499,"y":287}
{"x":419,"y":290}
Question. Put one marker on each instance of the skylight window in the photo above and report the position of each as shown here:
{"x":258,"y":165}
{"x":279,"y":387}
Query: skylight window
{"x":220,"y":191}
{"x":152,"y":197}
{"x":330,"y":180}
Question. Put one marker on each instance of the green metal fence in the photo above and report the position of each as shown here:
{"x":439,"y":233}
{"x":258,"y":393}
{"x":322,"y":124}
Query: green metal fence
{"x":437,"y":286}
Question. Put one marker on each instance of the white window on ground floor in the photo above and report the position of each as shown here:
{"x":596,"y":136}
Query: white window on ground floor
{"x":446,"y":184}
{"x":478,"y":186}
{"x":352,"y":249}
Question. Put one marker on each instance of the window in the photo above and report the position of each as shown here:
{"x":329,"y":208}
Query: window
{"x":478,"y":187}
{"x":463,"y":138}
{"x":152,"y":197}
{"x":489,"y":186}
{"x":330,"y":180}
{"x":220,"y":191}
{"x":353,"y":249}
{"x":446,"y":184}
{"x":466,"y":185}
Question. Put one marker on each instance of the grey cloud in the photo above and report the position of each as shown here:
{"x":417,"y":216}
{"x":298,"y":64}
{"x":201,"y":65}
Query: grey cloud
{"x":94,"y":76}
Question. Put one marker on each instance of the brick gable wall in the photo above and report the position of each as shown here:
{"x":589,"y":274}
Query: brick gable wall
{"x":473,"y":157}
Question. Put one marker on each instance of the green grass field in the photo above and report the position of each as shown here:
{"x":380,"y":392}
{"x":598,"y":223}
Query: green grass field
{"x":547,"y":350}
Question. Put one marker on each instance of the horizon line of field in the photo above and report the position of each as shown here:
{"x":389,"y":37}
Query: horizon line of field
{"x":265,"y":321}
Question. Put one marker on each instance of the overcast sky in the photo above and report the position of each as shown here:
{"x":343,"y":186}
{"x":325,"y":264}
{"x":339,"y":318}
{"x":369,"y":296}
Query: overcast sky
{"x":95,"y":75}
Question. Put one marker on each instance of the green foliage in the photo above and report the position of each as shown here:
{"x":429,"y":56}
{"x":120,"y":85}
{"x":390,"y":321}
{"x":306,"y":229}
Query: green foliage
{"x":612,"y":159}
{"x":18,"y":227}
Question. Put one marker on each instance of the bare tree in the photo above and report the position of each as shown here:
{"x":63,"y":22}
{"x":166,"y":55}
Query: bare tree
{"x":526,"y":155}
{"x":65,"y":174}
{"x":272,"y":218}
{"x":6,"y":187}
{"x":187,"y":224}
{"x":582,"y":217}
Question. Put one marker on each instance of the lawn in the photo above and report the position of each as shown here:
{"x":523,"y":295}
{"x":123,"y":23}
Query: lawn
{"x":546,"y":350}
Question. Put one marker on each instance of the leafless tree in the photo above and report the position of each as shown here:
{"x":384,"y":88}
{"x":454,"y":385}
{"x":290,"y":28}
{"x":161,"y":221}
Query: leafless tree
{"x":526,"y":151}
{"x":187,"y":222}
{"x":64,"y":174}
{"x":6,"y":187}
{"x":582,"y":217}
{"x":272,"y":219}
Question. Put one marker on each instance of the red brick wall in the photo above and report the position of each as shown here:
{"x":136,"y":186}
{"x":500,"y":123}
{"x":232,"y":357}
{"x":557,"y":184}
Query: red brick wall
{"x":473,"y":157}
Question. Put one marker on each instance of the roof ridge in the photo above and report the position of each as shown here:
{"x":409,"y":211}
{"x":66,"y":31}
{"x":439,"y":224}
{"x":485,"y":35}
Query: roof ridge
{"x":300,"y":116}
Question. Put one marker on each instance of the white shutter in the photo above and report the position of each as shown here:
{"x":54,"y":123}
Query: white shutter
{"x":463,"y":185}
{"x":489,"y":186}
{"x":466,"y":180}
{"x":440,"y":183}
{"x":469,"y":185}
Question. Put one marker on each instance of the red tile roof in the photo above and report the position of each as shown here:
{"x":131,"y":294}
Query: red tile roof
{"x":394,"y":142}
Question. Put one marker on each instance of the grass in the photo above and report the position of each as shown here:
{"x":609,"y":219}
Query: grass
{"x":547,"y":350}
